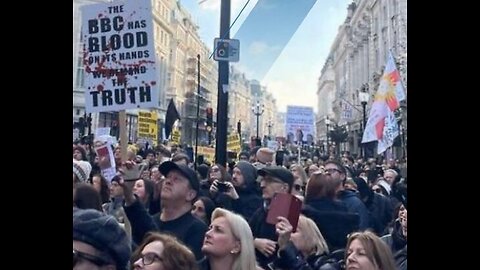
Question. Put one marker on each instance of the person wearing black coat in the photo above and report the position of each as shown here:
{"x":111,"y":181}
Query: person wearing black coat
{"x":243,"y":194}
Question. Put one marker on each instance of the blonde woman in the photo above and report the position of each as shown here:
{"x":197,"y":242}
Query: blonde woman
{"x":366,"y":251}
{"x":228,"y":243}
{"x":303,"y":249}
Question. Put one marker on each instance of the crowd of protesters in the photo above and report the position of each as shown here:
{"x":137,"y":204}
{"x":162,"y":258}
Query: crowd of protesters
{"x":172,"y":216}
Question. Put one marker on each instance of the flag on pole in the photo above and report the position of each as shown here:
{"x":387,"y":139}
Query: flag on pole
{"x":382,"y":125}
{"x":171,"y":117}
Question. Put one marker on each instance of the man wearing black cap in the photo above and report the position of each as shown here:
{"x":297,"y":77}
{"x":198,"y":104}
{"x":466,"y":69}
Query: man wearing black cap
{"x":99,"y":242}
{"x":274,"y":179}
{"x":179,"y":190}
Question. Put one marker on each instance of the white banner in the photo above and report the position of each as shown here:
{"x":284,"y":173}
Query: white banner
{"x":300,"y":124}
{"x":119,"y":56}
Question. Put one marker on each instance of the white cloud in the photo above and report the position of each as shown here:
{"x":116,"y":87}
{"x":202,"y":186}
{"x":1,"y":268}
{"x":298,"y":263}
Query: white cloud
{"x":257,"y":47}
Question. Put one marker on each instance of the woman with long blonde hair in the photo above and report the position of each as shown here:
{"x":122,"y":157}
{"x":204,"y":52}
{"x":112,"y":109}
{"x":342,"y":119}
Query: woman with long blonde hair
{"x":228,"y":244}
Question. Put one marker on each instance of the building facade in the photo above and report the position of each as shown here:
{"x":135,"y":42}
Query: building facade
{"x":359,"y":54}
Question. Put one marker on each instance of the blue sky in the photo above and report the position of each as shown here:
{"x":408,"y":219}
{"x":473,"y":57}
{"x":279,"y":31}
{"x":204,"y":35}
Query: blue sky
{"x":283,"y":43}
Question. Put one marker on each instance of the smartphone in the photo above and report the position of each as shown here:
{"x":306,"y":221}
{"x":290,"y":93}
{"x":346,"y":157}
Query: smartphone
{"x":284,"y":205}
{"x":222,"y":187}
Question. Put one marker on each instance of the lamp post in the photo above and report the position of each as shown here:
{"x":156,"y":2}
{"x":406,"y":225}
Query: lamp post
{"x":327,"y":122}
{"x":258,"y":110}
{"x":364,"y":96}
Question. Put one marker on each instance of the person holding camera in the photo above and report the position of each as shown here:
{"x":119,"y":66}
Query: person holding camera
{"x":242,"y":194}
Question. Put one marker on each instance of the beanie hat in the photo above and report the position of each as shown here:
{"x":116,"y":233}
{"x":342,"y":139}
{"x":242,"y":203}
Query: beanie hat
{"x":385,"y":185}
{"x":248,"y":171}
{"x":82,"y":169}
{"x":104,"y":233}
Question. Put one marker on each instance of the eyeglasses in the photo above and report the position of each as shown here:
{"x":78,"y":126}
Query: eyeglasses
{"x":150,"y":258}
{"x":298,"y":187}
{"x":377,"y":190}
{"x":332,"y":170}
{"x":77,"y":255}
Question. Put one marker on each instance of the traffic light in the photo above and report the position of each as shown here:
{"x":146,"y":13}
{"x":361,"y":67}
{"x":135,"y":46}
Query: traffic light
{"x":209,"y":117}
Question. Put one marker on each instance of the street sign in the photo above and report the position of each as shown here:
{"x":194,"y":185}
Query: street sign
{"x":226,"y":50}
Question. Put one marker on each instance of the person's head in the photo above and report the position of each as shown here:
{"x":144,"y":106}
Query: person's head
{"x":150,"y":156}
{"x":144,"y":190}
{"x":311,"y":169}
{"x":243,"y":156}
{"x":336,"y":170}
{"x":202,"y":170}
{"x":79,"y":153}
{"x":162,"y":252}
{"x":155,"y":174}
{"x":366,"y":251}
{"x":181,"y":183}
{"x":203,"y":208}
{"x":86,"y":197}
{"x":390,"y":175}
{"x":181,"y":158}
{"x":244,"y":174}
{"x":253,"y":154}
{"x":265,"y":155}
{"x":101,"y":185}
{"x":115,"y":189}
{"x":99,"y":241}
{"x":229,"y":235}
{"x":275,"y":179}
{"x":217,"y":172}
{"x":308,"y":239}
{"x":320,"y":185}
{"x":81,"y":171}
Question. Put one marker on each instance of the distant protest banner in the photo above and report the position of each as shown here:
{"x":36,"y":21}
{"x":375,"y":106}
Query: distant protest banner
{"x":119,"y":56}
{"x":299,"y":124}
{"x":147,"y":126}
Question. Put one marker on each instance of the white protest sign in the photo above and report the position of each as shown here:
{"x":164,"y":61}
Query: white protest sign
{"x":106,"y":160}
{"x":118,"y":56}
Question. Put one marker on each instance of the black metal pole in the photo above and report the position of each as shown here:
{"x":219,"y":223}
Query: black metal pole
{"x":198,"y":111}
{"x":222,"y":105}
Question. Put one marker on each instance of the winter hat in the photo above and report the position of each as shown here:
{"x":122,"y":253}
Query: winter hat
{"x":82,"y":169}
{"x":104,"y":233}
{"x":248,"y":171}
{"x":385,"y":185}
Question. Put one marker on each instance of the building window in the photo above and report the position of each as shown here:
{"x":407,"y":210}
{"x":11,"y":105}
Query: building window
{"x":78,"y":112}
{"x":80,"y":73}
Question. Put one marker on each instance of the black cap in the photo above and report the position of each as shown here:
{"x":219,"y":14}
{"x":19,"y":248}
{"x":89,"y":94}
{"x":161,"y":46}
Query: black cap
{"x":190,"y":174}
{"x":278,"y":172}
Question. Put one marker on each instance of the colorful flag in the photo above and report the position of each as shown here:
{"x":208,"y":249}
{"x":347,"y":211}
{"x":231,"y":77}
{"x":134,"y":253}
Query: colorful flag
{"x":381,"y":125}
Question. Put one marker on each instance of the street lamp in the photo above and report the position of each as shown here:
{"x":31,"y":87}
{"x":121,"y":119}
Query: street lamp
{"x":327,"y":122}
{"x":364,"y":97}
{"x":258,"y":110}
